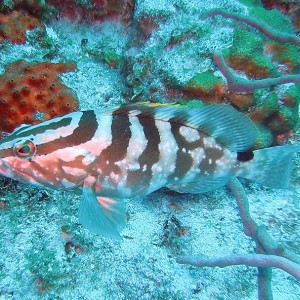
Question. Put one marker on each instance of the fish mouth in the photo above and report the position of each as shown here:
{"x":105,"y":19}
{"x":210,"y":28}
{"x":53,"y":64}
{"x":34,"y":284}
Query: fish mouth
{"x":3,"y":168}
{"x":9,"y":171}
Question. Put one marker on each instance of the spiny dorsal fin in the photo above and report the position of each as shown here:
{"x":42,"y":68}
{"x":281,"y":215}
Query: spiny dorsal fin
{"x":228,"y":126}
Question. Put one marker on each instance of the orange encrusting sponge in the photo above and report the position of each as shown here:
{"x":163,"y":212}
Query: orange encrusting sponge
{"x":13,"y":27}
{"x":33,"y":92}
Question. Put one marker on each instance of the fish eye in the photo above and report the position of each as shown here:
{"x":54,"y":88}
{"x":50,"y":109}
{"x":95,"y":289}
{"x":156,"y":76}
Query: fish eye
{"x":24,"y":149}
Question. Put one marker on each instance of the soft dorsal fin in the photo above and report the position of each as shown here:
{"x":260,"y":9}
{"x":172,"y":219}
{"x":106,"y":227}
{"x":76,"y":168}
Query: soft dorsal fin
{"x":228,"y":126}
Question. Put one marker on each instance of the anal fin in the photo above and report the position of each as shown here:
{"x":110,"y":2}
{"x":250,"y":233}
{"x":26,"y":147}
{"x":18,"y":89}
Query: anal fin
{"x":202,"y":185}
{"x":102,"y":215}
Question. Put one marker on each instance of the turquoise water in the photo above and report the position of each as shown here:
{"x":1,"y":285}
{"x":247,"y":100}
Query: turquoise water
{"x":46,"y":254}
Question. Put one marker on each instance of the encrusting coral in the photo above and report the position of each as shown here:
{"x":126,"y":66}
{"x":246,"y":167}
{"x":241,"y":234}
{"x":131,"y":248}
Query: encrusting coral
{"x":92,"y":10}
{"x":241,"y":57}
{"x":290,"y":8}
{"x":195,"y":53}
{"x":32,"y":92}
{"x":13,"y":27}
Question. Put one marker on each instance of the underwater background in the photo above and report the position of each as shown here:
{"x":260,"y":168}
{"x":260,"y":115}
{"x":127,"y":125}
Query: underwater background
{"x":61,"y":56}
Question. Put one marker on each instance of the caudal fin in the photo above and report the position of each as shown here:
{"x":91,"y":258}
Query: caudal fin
{"x":271,"y":167}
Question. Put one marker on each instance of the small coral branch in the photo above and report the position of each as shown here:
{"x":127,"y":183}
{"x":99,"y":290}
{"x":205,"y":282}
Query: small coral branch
{"x":253,"y":260}
{"x":269,"y":253}
{"x":263,"y":240}
{"x":263,"y":27}
{"x":238,"y":84}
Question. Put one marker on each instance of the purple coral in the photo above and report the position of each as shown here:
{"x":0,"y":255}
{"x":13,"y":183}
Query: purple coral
{"x":238,"y":84}
{"x":269,"y":253}
{"x":263,"y":27}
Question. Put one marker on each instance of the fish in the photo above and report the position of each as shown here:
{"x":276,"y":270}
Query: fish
{"x":109,"y":155}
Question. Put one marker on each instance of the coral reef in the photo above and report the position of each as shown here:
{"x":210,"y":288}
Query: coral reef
{"x":241,"y":56}
{"x":32,"y":7}
{"x":73,"y":10}
{"x":93,"y":10}
{"x":31,"y":92}
{"x":269,"y":254}
{"x":290,"y":8}
{"x":237,"y":52}
{"x":13,"y":27}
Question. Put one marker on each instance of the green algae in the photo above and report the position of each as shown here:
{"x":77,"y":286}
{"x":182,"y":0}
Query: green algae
{"x":264,"y":137}
{"x":195,"y":103}
{"x":287,"y":54}
{"x":266,"y":106}
{"x":284,"y":120}
{"x":294,"y":93}
{"x":251,"y":2}
{"x":186,"y":32}
{"x":7,"y":4}
{"x":205,"y":80}
{"x":264,"y":62}
{"x":248,"y":45}
{"x":273,"y":18}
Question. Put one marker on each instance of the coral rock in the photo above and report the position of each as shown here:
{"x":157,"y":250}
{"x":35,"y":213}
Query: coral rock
{"x":13,"y":27}
{"x":33,"y":92}
{"x":206,"y":86}
{"x":96,"y":10}
{"x":289,"y":8}
{"x":241,"y":101}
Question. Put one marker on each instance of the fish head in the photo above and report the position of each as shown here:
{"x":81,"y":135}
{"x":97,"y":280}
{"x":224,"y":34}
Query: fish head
{"x":16,"y":155}
{"x":39,"y":154}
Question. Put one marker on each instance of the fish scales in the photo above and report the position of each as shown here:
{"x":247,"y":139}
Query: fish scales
{"x":117,"y":153}
{"x":148,"y":157}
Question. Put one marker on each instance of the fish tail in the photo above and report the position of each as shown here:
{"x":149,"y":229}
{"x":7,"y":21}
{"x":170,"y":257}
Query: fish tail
{"x":271,"y":167}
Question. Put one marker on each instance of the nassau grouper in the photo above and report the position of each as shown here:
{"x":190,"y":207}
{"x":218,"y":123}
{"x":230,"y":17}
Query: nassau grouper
{"x":116,"y":153}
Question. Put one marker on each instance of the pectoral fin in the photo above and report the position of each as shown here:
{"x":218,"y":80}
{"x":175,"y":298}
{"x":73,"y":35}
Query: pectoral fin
{"x":102,"y":215}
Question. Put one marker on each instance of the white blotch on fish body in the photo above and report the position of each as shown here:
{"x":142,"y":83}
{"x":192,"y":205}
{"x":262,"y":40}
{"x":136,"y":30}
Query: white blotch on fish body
{"x":225,"y":163}
{"x":67,"y":184}
{"x":134,"y":112}
{"x":67,"y":154}
{"x":54,"y":134}
{"x":197,"y":155}
{"x":102,"y":137}
{"x":137,"y":145}
{"x":88,"y":159}
{"x":210,"y":142}
{"x":189,"y":134}
{"x":167,"y":156}
{"x":77,"y":172}
{"x":115,"y":177}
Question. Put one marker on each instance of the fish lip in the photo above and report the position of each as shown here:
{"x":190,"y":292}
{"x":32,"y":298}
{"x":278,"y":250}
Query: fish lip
{"x":33,"y":181}
{"x":20,"y":175}
{"x":3,"y":167}
{"x":8,"y":166}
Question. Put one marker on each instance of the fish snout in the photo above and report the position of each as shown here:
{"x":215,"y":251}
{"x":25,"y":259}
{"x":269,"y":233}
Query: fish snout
{"x":4,"y":169}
